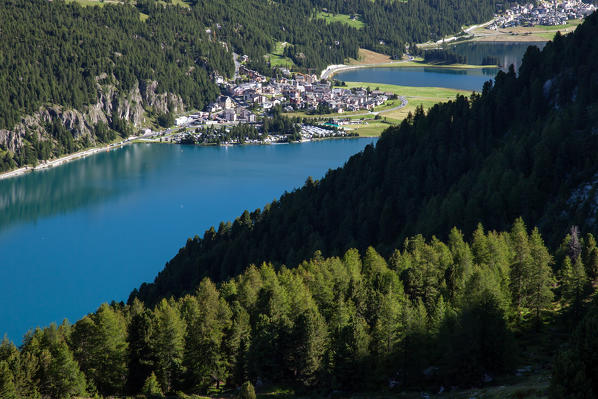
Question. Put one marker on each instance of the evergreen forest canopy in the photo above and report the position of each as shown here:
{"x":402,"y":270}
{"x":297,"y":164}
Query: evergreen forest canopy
{"x":352,"y":323}
{"x":52,"y":52}
{"x":524,"y":147}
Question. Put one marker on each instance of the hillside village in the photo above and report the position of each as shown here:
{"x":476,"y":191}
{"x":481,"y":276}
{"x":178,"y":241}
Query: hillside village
{"x":549,"y":13}
{"x":251,"y":99}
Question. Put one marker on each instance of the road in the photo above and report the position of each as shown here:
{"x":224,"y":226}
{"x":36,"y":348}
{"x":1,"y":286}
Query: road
{"x":453,"y":38}
{"x":332,"y":69}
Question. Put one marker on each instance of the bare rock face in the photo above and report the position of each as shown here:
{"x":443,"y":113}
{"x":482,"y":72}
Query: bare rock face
{"x":129,"y":106}
{"x":159,"y":103}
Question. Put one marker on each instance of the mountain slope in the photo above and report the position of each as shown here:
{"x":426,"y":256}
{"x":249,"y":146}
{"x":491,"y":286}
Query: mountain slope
{"x":521,"y":148}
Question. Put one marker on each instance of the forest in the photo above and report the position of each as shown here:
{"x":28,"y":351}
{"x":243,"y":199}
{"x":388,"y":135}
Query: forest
{"x":526,"y":146}
{"x":433,"y":314}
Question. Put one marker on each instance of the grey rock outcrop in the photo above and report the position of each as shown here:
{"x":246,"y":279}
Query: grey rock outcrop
{"x":129,"y":106}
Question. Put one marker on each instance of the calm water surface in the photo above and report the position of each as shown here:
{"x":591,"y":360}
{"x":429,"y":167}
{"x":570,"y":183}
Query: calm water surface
{"x":475,"y":53}
{"x":501,"y":53}
{"x":90,"y":231}
{"x":464,"y":79}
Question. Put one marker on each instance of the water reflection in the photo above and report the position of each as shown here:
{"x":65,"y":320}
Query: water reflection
{"x":501,"y":53}
{"x":75,"y":185}
{"x":454,"y":78}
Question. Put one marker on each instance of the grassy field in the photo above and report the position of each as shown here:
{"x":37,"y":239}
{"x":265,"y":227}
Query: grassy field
{"x":436,"y":93}
{"x":276,"y":57}
{"x":416,"y":96}
{"x":368,"y":57}
{"x":142,"y":16}
{"x":372,"y":128}
{"x":342,"y":18}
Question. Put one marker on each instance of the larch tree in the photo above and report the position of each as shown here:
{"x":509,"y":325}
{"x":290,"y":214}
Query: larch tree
{"x":168,"y":344}
{"x":541,"y":281}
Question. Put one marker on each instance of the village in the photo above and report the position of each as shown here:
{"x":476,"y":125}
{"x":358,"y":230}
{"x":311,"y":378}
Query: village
{"x":548,"y":13}
{"x":254,"y":97}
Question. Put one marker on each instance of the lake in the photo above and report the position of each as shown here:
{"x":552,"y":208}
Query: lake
{"x":503,"y":53}
{"x":453,"y":78}
{"x":91,"y":230}
{"x":475,"y":53}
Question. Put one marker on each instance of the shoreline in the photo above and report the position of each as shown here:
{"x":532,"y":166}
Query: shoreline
{"x":332,"y":70}
{"x":65,"y":159}
{"x":134,"y":140}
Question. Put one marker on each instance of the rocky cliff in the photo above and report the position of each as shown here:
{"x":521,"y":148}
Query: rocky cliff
{"x":130,"y":106}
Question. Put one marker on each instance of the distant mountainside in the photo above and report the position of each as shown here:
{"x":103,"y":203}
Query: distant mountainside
{"x":72,"y":76}
{"x":526,"y":146}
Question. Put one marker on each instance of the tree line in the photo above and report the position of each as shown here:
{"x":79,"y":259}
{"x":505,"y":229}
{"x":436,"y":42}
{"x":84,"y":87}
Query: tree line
{"x":354,"y":322}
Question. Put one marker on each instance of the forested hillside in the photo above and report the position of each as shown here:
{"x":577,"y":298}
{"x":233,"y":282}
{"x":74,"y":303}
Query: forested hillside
{"x":99,"y":70}
{"x":105,"y":63}
{"x":526,"y":146}
{"x":452,"y":314}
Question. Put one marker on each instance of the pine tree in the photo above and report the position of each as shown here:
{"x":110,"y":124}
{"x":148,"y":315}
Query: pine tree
{"x":209,"y":318}
{"x":101,"y":348}
{"x":168,"y":343}
{"x":7,"y":384}
{"x":540,"y":295}
{"x":140,"y":362}
{"x":310,"y":340}
{"x":151,"y":387}
{"x":521,"y":266}
{"x":573,"y":283}
{"x":590,"y":256}
{"x":64,"y":379}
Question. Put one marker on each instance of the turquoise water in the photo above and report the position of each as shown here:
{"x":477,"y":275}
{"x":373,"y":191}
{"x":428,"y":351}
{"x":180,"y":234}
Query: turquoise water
{"x":475,"y":53}
{"x":90,"y":231}
{"x":464,"y":79}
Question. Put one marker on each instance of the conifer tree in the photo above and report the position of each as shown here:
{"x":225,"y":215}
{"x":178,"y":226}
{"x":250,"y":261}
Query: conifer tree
{"x":7,"y":384}
{"x":209,"y":319}
{"x":541,"y":281}
{"x":521,"y":266}
{"x":151,"y":387}
{"x":590,"y":256}
{"x":63,"y":378}
{"x":168,"y":344}
{"x":140,"y":358}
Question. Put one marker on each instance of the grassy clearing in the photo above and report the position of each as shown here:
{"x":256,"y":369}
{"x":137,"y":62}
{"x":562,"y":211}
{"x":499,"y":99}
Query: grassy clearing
{"x":439,"y":93}
{"x":368,"y":57}
{"x":372,"y":129}
{"x":277,"y":58}
{"x":181,"y":3}
{"x":87,"y":3}
{"x":342,"y":18}
{"x":142,"y":16}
